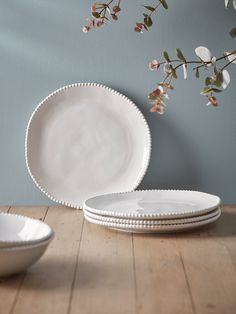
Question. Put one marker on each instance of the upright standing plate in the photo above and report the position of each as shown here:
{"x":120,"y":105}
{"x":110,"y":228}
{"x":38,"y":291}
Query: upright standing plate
{"x":84,"y":140}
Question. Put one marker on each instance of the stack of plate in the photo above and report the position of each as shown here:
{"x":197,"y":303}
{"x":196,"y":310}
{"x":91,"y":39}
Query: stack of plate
{"x":23,"y":241}
{"x":153,"y":211}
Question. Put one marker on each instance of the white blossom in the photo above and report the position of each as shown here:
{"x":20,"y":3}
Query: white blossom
{"x":167,"y":68}
{"x":185,"y":70}
{"x":226,"y":3}
{"x":234,"y":4}
{"x":205,"y":54}
{"x":232,"y":57}
{"x":226,"y":78}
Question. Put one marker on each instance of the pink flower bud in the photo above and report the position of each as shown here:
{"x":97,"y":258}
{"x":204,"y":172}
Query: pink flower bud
{"x":100,"y":24}
{"x":138,"y":29}
{"x":156,"y":92}
{"x":154,"y":65}
{"x":158,"y":109}
{"x":114,"y":17}
{"x":93,"y":8}
{"x":86,"y":29}
{"x":116,"y":9}
{"x":213,"y":101}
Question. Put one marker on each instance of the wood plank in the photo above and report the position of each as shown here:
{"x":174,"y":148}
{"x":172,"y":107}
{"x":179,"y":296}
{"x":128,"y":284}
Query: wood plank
{"x":36,"y":212}
{"x":161,"y":283}
{"x":47,"y":285}
{"x":225,"y":231}
{"x":4,"y":209}
{"x":210,"y":273}
{"x":110,"y":272}
{"x":9,"y":287}
{"x":104,"y":282}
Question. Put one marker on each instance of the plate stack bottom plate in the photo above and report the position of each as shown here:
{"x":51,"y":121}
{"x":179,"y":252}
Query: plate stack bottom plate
{"x":153,"y":211}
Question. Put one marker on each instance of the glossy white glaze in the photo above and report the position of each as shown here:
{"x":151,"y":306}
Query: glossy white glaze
{"x":20,"y":230}
{"x":17,"y":259}
{"x":153,"y":204}
{"x":154,"y":228}
{"x":156,"y":221}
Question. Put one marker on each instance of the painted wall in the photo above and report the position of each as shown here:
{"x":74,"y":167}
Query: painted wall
{"x":42,"y":48}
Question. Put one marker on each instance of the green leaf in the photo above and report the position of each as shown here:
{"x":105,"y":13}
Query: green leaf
{"x":173,"y":72}
{"x":215,"y":70}
{"x":151,"y":97}
{"x":216,"y":90}
{"x":145,"y":27}
{"x":180,"y":55}
{"x":101,"y":5}
{"x":208,"y":90}
{"x":148,"y":21}
{"x":208,"y":81}
{"x":96,"y":15}
{"x":152,"y":9}
{"x":166,"y":56}
{"x":218,"y":79}
{"x":233,"y":33}
{"x":197,"y":74}
{"x":164,"y":3}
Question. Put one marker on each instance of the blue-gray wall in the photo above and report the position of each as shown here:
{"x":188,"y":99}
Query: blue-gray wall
{"x":42,"y":48}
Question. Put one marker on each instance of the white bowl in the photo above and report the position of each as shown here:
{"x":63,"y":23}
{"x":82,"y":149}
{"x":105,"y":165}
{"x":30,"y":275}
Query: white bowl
{"x":17,"y":259}
{"x":18,"y":230}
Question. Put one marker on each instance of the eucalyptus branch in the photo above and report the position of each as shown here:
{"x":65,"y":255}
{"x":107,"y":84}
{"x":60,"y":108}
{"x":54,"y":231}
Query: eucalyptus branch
{"x":217,"y":59}
{"x":215,"y":83}
{"x":102,"y":12}
{"x":227,"y":64}
{"x":147,"y":20}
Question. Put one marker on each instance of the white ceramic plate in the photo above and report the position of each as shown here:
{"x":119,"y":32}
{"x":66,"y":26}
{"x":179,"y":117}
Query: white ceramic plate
{"x":153,"y":204}
{"x":18,"y":230}
{"x":17,"y":259}
{"x":154,"y":228}
{"x":85,"y":140}
{"x":147,"y":222}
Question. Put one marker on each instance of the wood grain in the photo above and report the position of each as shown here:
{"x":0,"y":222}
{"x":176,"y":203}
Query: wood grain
{"x":104,"y":280}
{"x":89,"y":269}
{"x":224,"y":231}
{"x":9,"y":288}
{"x":161,"y":282}
{"x":4,"y":209}
{"x":210,"y":270}
{"x":47,"y":286}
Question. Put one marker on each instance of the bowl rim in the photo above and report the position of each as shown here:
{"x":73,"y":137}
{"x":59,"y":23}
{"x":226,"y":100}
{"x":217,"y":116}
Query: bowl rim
{"x":26,"y":247}
{"x":26,"y":242}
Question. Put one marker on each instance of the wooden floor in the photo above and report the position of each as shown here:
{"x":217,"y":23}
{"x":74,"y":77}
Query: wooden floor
{"x":88,"y":269}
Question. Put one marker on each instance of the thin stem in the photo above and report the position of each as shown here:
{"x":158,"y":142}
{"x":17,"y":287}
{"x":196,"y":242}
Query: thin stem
{"x":179,"y":65}
{"x":218,"y":59}
{"x":105,"y":9}
{"x":197,"y":62}
{"x":227,"y":64}
{"x":157,"y":5}
{"x":110,"y":2}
